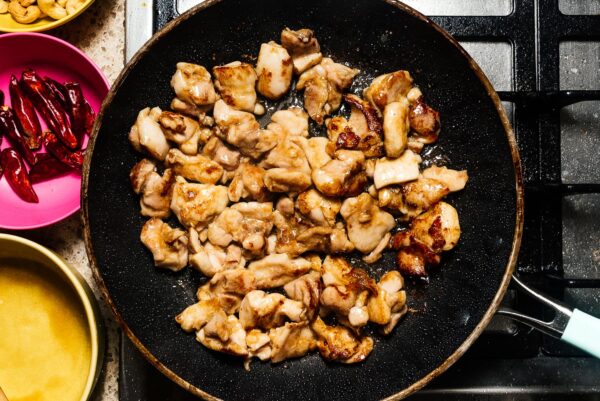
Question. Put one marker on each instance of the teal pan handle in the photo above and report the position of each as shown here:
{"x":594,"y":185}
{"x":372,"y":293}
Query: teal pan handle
{"x":570,"y":325}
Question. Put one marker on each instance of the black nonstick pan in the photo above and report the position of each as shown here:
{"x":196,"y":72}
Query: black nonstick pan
{"x":376,"y":36}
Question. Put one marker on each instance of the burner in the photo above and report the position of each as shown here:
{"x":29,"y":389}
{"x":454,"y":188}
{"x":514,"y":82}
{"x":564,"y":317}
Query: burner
{"x":543,"y":58}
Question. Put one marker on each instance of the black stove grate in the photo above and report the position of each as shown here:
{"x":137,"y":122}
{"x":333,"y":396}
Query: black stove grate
{"x":510,"y":359}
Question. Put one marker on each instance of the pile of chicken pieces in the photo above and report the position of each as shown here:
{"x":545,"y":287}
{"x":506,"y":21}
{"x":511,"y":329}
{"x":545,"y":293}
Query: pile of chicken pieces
{"x":260,"y":206}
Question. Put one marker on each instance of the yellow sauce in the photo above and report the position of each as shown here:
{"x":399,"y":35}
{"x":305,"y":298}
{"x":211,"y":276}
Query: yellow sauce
{"x":45,"y":347}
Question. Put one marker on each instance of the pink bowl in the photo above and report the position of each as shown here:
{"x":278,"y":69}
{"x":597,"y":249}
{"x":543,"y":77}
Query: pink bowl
{"x":59,"y":198}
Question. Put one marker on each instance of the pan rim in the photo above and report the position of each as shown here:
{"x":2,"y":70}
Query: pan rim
{"x":510,"y":265}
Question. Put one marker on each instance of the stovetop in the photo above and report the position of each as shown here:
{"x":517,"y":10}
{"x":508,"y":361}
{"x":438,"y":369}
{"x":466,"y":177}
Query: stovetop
{"x":543,"y":57}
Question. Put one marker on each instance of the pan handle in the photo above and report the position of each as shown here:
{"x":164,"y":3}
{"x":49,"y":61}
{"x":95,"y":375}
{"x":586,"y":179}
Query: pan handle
{"x":570,"y":325}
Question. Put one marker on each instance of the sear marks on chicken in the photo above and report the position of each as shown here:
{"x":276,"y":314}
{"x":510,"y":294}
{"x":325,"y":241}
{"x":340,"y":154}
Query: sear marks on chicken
{"x":270,"y":210}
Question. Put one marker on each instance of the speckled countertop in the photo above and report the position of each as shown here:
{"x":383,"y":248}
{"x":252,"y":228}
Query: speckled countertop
{"x":99,"y":32}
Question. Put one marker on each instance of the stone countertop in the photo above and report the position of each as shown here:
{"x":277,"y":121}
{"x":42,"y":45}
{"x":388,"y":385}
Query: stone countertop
{"x":100,"y":33}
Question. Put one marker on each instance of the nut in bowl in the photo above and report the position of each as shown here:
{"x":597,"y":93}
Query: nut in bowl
{"x":38,"y":15}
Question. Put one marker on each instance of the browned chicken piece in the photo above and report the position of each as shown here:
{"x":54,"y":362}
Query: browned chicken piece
{"x":424,"y":121}
{"x":438,"y":228}
{"x":146,"y":134}
{"x":193,"y":85}
{"x":396,"y":171}
{"x":247,"y":224}
{"x":413,"y":257}
{"x":306,"y":289}
{"x":392,"y":283}
{"x":315,"y":150}
{"x":196,"y":205}
{"x":366,"y":222}
{"x":193,"y":145}
{"x":292,"y":340}
{"x":396,"y":127}
{"x":190,"y":110}
{"x":155,"y":191}
{"x":340,"y":344}
{"x":225,"y":156}
{"x":228,"y":287}
{"x":286,"y":180}
{"x":453,"y":179}
{"x":210,"y":259}
{"x":413,"y":198}
{"x":224,"y":334}
{"x":235,"y":82}
{"x":248,"y":183}
{"x":342,"y":176}
{"x":376,"y":253}
{"x":195,"y":316}
{"x":293,"y":121}
{"x":168,"y":245}
{"x":195,"y":168}
{"x":278,"y":269}
{"x":274,"y":70}
{"x":303,"y":47}
{"x":319,"y":209}
{"x":176,"y":127}
{"x":388,"y":88}
{"x":323,"y":85}
{"x":240,"y":129}
{"x":266,"y":311}
{"x":259,"y":345}
{"x":363,"y":116}
{"x":389,"y":299}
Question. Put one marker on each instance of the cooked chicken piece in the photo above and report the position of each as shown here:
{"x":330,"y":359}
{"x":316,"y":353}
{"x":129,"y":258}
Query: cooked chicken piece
{"x":259,"y":345}
{"x":285,"y":206}
{"x":147,"y":136}
{"x":228,"y":287}
{"x":388,"y":88}
{"x":363,"y":116}
{"x":438,"y":228}
{"x":196,"y":168}
{"x":266,"y":311}
{"x":195,"y":316}
{"x":274,"y":69}
{"x":366,"y":223}
{"x":196,"y":205}
{"x":323,"y":85}
{"x":413,"y":256}
{"x":286,"y":180}
{"x":340,"y":243}
{"x":306,"y":289}
{"x":291,"y":341}
{"x":176,"y":127}
{"x":241,"y":130}
{"x":318,"y":208}
{"x":248,"y":183}
{"x":192,"y":84}
{"x":424,"y":121}
{"x":390,"y":299}
{"x":358,"y":316}
{"x":210,"y":259}
{"x":396,"y":171}
{"x":190,"y":110}
{"x":344,"y":135}
{"x":342,"y":176}
{"x":413,"y":198}
{"x":245,"y":223}
{"x":222,"y":154}
{"x":414,"y":145}
{"x":375,"y":254}
{"x":277,"y":270}
{"x":413,"y":95}
{"x":315,"y":150}
{"x":340,"y":344}
{"x":287,"y":154}
{"x":294,"y":121}
{"x":455,"y":180}
{"x":224,"y":334}
{"x":235,"y":82}
{"x":155,"y":191}
{"x":396,"y":127}
{"x":303,"y":47}
{"x":168,"y":245}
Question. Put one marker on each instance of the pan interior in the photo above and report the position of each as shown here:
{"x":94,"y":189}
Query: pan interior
{"x":375,"y":37}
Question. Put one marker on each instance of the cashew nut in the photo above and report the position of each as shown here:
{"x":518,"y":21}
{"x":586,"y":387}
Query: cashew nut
{"x":23,"y":15}
{"x":3,"y":6}
{"x":52,"y":9}
{"x":74,"y":5}
{"x":27,"y":3}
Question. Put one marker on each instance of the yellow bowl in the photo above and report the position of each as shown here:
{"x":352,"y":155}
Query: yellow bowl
{"x":22,"y":252}
{"x":8,"y":24}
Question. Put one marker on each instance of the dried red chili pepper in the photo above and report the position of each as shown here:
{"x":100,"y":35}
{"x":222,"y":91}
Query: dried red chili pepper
{"x":10,"y":128}
{"x":78,"y":109}
{"x":73,"y":159}
{"x":46,"y":168}
{"x":49,"y":107}
{"x":16,"y":175}
{"x":25,"y":113}
{"x":90,"y":117}
{"x":59,"y":91}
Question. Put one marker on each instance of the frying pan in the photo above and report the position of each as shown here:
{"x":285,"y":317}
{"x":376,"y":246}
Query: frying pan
{"x":376,"y":36}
